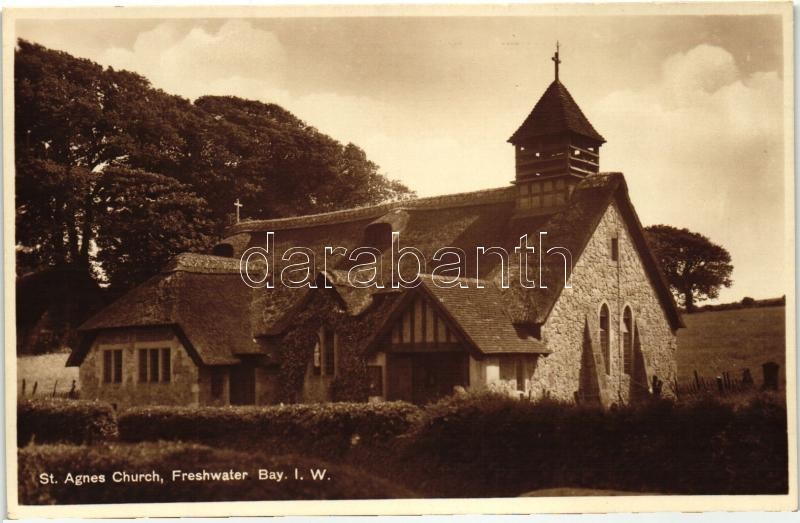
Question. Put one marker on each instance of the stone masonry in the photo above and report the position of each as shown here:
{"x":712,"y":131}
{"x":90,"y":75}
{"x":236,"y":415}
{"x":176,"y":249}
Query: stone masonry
{"x":596,"y":280}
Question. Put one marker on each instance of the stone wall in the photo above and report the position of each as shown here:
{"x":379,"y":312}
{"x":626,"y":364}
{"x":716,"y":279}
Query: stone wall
{"x":182,"y":389}
{"x":597,"y":279}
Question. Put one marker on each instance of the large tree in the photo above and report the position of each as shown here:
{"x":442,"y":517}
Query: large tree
{"x":75,"y":119}
{"x":146,"y":219}
{"x":277,"y":165}
{"x":113,"y":177}
{"x":695,"y":267}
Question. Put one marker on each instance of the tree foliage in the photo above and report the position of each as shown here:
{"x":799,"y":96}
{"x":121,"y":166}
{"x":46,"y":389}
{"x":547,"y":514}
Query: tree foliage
{"x":695,"y":267}
{"x":146,"y":218}
{"x":116,"y":176}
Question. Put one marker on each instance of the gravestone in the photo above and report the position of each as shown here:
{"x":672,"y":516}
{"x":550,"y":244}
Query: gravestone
{"x":770,"y":370}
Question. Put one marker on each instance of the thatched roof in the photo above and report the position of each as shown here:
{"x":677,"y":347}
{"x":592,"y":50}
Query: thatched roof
{"x":482,"y":317}
{"x":202,"y":297}
{"x":205,"y":299}
{"x":465,"y":221}
{"x":555,"y":112}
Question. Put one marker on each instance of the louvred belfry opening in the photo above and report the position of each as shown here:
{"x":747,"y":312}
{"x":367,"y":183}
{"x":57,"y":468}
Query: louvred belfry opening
{"x":555,"y":147}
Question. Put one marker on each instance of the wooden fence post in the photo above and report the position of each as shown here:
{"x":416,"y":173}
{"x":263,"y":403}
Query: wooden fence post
{"x":747,"y":378}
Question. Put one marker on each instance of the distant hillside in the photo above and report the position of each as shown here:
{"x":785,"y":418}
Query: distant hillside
{"x":731,"y":340}
{"x":746,"y":303}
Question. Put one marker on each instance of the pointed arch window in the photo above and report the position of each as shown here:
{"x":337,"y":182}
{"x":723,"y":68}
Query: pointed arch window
{"x":627,"y":340}
{"x":328,"y":352}
{"x":605,"y":337}
{"x":317,"y":365}
{"x":324,"y":362}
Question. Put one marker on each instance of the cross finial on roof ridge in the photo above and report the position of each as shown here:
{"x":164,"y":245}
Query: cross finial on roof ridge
{"x":556,"y":59}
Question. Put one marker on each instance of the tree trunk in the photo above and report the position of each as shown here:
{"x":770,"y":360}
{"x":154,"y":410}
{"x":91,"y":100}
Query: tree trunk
{"x":72,"y":233}
{"x":86,"y":233}
{"x":688,"y":300}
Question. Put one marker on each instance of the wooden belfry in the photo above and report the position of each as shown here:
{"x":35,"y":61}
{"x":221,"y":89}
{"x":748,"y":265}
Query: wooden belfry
{"x":555,"y":147}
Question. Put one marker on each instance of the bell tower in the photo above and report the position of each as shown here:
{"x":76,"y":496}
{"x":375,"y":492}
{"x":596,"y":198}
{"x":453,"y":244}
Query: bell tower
{"x":555,"y":148}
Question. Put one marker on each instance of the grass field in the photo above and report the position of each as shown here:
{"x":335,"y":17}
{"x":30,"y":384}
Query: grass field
{"x":46,"y":370}
{"x":718,"y":341}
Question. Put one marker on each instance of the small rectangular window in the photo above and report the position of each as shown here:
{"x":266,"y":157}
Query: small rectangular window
{"x":142,"y":365}
{"x":166,"y":365}
{"x":615,"y":249}
{"x":118,"y":366}
{"x":112,"y":366}
{"x":153,"y":365}
{"x":107,"y":366}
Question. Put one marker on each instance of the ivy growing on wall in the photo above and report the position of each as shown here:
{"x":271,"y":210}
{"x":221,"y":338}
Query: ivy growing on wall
{"x":325,"y":308}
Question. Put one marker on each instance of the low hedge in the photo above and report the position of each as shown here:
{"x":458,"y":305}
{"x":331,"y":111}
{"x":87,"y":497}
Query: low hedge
{"x":63,"y":420}
{"x":327,"y":428}
{"x":340,"y":481}
{"x":507,"y":447}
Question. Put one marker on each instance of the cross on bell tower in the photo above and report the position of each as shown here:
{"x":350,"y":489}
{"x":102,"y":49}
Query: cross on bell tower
{"x":555,"y":148}
{"x":556,"y":60}
{"x":238,"y":206}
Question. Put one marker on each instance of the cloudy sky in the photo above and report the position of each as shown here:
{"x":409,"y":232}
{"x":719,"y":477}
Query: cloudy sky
{"x":691,"y":106}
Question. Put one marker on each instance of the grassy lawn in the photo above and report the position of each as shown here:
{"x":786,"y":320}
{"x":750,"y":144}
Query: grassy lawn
{"x":47,"y":370}
{"x":718,"y":341}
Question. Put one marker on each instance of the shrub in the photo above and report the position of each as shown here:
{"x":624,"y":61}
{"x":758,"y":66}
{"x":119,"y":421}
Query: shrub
{"x":506,"y":447}
{"x":326,"y":428}
{"x":62,"y":420}
{"x":104,"y":459}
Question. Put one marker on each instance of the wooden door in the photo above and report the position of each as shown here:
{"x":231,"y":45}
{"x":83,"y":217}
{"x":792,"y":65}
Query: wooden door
{"x":398,"y":377}
{"x":243,"y":384}
{"x":435,"y":375}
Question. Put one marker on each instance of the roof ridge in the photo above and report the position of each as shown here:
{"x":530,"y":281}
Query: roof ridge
{"x":199,"y":263}
{"x":464,"y":279}
{"x":442,"y":201}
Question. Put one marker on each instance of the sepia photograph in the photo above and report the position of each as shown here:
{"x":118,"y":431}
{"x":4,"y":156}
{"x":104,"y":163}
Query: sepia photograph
{"x":399,"y":260}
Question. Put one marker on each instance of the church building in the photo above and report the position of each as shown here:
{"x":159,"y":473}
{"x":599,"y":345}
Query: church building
{"x":198,"y":334}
